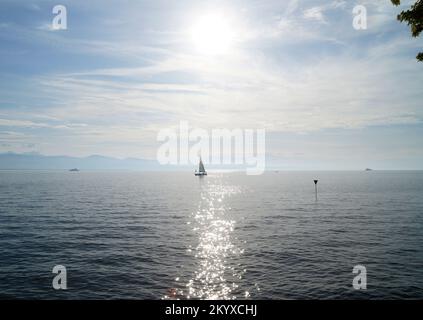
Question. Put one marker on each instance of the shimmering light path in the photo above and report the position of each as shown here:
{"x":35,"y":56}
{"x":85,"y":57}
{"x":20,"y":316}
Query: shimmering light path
{"x":215,"y":277}
{"x":215,"y":250}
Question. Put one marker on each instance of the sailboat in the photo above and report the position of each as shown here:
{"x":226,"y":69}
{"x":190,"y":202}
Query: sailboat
{"x":201,"y":171}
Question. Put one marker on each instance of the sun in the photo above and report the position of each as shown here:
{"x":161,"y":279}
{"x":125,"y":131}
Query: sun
{"x":213,"y":34}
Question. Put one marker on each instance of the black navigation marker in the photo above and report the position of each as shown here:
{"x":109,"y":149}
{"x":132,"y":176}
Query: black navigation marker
{"x":315,"y":187}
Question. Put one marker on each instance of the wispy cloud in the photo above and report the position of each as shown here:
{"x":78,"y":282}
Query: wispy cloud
{"x":315,"y":13}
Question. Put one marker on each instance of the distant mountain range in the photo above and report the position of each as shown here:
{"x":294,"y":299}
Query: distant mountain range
{"x":35,"y":161}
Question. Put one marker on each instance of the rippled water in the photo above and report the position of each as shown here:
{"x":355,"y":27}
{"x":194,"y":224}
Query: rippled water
{"x":224,"y":236}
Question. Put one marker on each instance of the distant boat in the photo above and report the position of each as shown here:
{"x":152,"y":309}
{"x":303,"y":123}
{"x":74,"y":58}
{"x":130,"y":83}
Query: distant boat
{"x":201,"y":171}
{"x":74,"y":170}
{"x":368,"y":169}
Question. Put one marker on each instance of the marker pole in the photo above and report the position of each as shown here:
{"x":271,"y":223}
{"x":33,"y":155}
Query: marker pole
{"x":315,"y":187}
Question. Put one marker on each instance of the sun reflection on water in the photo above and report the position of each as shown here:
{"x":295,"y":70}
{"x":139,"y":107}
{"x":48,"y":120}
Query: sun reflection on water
{"x":217,"y":272}
{"x":214,"y":228}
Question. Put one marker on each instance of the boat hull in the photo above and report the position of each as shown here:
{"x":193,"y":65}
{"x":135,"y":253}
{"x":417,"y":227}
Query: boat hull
{"x":200,"y":173}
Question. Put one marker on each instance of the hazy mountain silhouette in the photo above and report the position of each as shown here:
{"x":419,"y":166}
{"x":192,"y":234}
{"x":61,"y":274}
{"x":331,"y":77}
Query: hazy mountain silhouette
{"x":35,"y":161}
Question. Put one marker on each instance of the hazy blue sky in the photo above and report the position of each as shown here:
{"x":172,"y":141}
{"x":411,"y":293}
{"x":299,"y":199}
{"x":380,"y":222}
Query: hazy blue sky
{"x":328,"y":95}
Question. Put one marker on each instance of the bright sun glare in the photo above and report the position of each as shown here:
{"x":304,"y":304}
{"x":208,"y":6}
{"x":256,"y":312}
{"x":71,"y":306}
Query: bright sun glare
{"x":213,"y":34}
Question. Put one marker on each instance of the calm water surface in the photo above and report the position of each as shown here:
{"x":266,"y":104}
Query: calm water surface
{"x":132,"y":235}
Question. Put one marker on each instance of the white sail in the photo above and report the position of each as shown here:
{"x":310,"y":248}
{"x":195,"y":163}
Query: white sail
{"x":201,"y":167}
{"x":201,"y":171}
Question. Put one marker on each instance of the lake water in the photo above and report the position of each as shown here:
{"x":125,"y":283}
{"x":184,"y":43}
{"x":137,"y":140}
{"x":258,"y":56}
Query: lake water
{"x":132,"y":235}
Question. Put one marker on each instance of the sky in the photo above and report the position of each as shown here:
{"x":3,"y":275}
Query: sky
{"x":328,"y":95}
